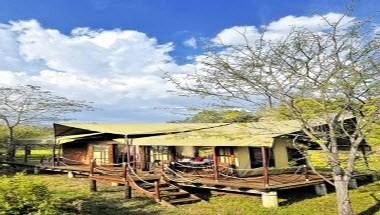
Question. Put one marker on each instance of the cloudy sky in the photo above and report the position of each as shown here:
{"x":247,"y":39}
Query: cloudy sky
{"x":114,"y":53}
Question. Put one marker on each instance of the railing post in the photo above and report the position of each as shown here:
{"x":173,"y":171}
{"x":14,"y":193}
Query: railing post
{"x":128,"y":188}
{"x":92,"y":181}
{"x":54,"y":147}
{"x":215,"y":158}
{"x":93,"y":186}
{"x":92,"y":166}
{"x":163,"y":167}
{"x":134,"y":157}
{"x":306,"y":172}
{"x":125,"y":171}
{"x":26,"y":154}
{"x":157,"y":190}
{"x":265,"y":166}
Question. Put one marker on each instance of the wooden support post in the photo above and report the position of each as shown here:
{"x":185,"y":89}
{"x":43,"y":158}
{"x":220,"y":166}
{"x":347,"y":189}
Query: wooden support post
{"x":126,"y":141}
{"x":142,"y":158}
{"x":93,"y":186}
{"x":134,"y":156}
{"x":157,"y":191}
{"x":59,"y":154}
{"x":306,"y":172}
{"x":26,"y":151}
{"x":91,"y":173}
{"x":92,"y":166}
{"x":163,"y":166}
{"x":53,"y":159}
{"x":128,"y":190}
{"x":265,"y":166}
{"x":215,"y":158}
{"x":125,"y":171}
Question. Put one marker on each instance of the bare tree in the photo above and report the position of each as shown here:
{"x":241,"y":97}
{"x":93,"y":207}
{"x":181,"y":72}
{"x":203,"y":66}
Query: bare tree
{"x":30,"y":104}
{"x":337,"y":68}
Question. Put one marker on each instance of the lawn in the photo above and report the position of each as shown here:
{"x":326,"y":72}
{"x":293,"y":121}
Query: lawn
{"x":109,"y":200}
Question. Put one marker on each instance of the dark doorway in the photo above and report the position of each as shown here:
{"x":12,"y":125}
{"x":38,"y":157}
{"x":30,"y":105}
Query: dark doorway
{"x":257,"y":158}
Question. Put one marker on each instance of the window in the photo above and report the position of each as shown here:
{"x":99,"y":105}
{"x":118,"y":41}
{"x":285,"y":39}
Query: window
{"x":159,"y":153}
{"x":257,"y":158}
{"x":226,"y":155}
{"x":295,"y":157}
{"x":101,"y":154}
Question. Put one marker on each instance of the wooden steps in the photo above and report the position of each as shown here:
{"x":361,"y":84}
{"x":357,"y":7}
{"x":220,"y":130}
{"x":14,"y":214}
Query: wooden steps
{"x":171,"y":194}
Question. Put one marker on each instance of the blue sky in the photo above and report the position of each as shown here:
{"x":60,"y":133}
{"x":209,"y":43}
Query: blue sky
{"x":161,"y":26}
{"x":169,"y":20}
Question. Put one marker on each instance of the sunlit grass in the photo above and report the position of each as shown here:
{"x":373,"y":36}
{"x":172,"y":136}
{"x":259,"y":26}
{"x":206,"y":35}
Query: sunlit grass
{"x":109,"y":200}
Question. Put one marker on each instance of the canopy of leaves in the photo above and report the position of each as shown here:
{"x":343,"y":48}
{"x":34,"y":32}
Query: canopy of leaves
{"x":225,"y":116}
{"x":24,"y":132}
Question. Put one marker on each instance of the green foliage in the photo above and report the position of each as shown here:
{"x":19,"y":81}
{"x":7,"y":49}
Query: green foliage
{"x":227,"y":116}
{"x":24,"y":132}
{"x":308,"y":108}
{"x":20,"y":195}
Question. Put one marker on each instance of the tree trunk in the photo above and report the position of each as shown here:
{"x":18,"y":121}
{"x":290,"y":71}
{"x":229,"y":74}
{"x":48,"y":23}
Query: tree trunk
{"x":11,"y":146}
{"x":270,"y":102}
{"x":343,"y":198}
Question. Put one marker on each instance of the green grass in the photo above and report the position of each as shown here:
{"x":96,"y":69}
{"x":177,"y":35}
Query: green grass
{"x":74,"y":193}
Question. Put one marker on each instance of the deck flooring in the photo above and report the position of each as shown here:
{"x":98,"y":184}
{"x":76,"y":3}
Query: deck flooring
{"x":253,"y":184}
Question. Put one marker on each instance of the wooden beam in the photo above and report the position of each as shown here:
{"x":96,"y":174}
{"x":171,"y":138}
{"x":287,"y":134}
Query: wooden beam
{"x":55,"y":143}
{"x":142,"y":157}
{"x":59,"y":153}
{"x":134,"y":156}
{"x":92,"y":166}
{"x":215,"y":158}
{"x":265,"y":166}
{"x":128,"y":149}
{"x":26,"y":154}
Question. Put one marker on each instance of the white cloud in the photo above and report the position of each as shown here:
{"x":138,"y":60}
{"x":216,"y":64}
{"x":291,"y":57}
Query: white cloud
{"x":191,"y":42}
{"x":236,"y":35}
{"x":121,"y":68}
{"x":277,"y":29}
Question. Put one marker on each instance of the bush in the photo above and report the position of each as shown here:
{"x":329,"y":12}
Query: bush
{"x":20,"y":195}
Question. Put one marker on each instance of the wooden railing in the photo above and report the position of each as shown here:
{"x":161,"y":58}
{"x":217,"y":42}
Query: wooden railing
{"x":128,"y":175}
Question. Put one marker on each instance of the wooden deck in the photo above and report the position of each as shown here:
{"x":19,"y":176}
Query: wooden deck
{"x":253,"y":185}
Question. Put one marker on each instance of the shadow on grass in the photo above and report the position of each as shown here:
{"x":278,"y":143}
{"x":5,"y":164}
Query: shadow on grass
{"x":204,"y":194}
{"x":102,"y":205}
{"x":373,"y":209}
{"x":295,"y":195}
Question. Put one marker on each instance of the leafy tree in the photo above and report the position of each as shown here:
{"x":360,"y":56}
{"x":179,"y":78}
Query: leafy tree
{"x":24,"y":132}
{"x":336,"y":69}
{"x":31,"y":104}
{"x":226,"y":116}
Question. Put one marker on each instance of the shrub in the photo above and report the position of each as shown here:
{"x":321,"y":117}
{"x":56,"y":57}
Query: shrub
{"x":20,"y":195}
